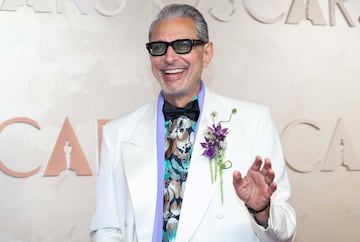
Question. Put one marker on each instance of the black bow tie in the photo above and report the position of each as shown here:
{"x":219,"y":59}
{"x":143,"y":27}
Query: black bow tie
{"x":172,"y":112}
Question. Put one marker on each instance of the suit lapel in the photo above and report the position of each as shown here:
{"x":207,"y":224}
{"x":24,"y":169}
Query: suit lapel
{"x":199,"y":190}
{"x":140,"y":166}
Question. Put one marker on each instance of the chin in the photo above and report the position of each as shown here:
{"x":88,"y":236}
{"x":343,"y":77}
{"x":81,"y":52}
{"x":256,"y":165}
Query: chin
{"x":174,"y":93}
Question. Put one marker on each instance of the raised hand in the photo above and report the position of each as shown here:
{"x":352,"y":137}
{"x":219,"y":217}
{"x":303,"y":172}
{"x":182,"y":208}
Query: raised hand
{"x":256,"y":188}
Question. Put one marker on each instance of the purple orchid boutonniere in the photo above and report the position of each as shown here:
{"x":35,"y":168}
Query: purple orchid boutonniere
{"x":215,"y":145}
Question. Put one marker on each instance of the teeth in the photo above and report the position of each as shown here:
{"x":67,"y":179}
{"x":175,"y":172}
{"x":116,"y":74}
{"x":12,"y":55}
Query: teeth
{"x":174,"y":71}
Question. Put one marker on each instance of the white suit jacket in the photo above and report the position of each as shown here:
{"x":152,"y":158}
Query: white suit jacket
{"x":127,"y":184}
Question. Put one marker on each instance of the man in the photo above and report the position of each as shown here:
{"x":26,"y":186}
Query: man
{"x":179,"y":178}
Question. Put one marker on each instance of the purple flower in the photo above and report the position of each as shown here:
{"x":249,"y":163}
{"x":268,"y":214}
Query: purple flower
{"x":214,"y":146}
{"x":218,"y":132}
{"x":210,"y":152}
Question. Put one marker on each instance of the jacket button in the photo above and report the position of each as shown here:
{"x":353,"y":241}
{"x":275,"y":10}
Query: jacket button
{"x":220,"y":215}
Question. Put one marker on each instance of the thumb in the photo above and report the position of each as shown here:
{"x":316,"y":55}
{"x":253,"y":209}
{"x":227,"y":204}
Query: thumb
{"x":237,"y":179}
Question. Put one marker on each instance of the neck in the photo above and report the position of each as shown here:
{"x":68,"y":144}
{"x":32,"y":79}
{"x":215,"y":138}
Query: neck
{"x":180,"y":103}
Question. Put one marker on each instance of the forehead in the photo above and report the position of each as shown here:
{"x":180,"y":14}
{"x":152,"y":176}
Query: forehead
{"x":174,"y":28}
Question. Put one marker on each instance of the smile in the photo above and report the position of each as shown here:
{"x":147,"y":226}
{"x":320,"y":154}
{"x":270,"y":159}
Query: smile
{"x":174,"y":71}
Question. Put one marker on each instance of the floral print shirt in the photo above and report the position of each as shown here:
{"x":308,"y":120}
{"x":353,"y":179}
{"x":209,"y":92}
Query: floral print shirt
{"x":179,"y":140}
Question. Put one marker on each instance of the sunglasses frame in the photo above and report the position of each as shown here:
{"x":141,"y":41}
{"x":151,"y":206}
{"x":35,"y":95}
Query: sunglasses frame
{"x":193,"y":42}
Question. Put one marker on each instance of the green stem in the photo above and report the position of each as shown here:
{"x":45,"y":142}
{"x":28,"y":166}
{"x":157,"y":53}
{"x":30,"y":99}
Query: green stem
{"x":216,"y":162}
{"x":221,"y":183}
{"x":211,"y":171}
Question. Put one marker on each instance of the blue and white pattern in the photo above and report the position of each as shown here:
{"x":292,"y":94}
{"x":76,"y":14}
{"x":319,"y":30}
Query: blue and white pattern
{"x":179,"y":141}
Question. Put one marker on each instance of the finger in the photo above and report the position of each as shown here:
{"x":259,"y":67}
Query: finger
{"x":272,"y":188}
{"x":237,"y":179}
{"x":270,"y":175}
{"x":257,"y":164}
{"x":267,"y":166}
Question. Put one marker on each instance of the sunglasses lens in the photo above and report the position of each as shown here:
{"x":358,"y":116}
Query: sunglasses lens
{"x":182,"y":46}
{"x":157,"y":49}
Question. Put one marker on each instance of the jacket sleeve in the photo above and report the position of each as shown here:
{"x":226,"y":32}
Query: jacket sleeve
{"x":112,"y":198}
{"x":282,"y":220}
{"x":107,"y":235}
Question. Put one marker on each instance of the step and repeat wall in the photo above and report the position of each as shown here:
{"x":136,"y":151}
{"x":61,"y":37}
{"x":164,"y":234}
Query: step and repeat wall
{"x":69,"y":66}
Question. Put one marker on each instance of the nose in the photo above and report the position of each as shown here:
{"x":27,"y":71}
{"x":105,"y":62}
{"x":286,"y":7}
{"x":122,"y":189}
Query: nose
{"x":170,"y":54}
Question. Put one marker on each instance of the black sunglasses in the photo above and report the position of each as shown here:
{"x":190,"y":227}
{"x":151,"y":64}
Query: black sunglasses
{"x":180,"y":46}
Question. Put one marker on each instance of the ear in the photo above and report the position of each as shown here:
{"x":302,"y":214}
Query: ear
{"x":208,"y":54}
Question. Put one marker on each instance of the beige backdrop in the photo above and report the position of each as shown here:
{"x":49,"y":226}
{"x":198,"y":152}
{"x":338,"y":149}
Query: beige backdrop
{"x":86,"y":60}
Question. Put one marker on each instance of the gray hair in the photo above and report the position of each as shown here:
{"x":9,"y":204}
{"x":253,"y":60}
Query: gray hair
{"x":183,"y":10}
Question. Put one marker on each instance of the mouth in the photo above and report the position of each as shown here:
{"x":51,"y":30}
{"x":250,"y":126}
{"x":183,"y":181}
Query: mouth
{"x":174,"y":74}
{"x":174,"y":71}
